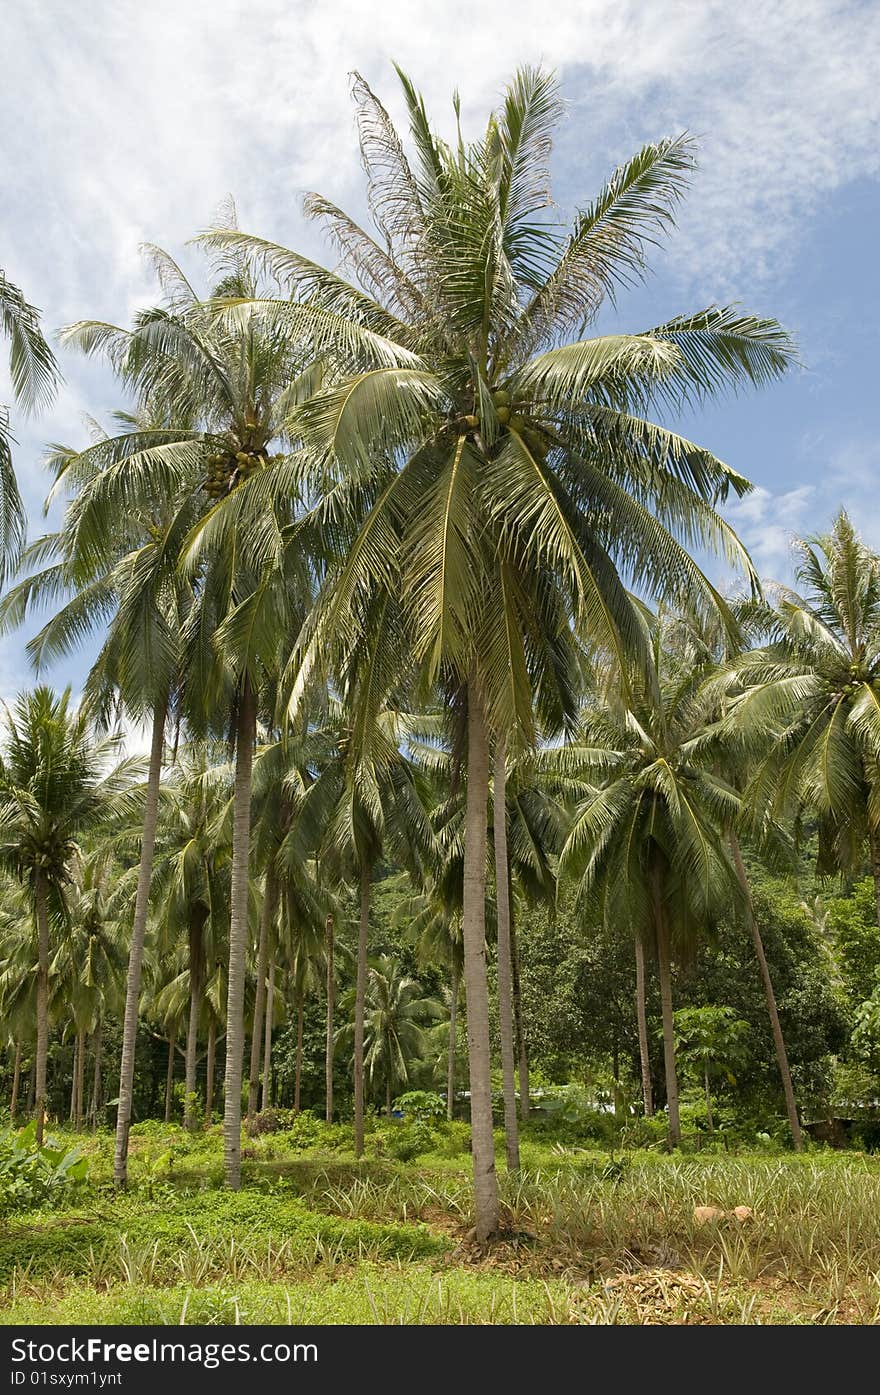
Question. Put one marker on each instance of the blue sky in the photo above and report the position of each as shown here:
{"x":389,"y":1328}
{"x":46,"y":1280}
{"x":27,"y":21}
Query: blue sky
{"x":123,"y":122}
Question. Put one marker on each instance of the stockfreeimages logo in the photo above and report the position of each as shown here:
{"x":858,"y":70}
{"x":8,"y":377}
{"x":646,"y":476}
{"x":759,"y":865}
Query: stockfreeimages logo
{"x":94,"y":1351}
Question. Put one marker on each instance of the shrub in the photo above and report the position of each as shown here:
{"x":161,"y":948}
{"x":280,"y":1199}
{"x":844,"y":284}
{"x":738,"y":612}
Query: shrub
{"x":422,"y":1105}
{"x":270,"y":1121}
{"x":31,"y":1175}
{"x":406,"y":1141}
{"x":454,"y":1140}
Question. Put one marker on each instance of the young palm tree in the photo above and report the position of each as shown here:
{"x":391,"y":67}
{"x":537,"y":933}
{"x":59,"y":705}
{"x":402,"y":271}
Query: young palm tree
{"x":811,"y":701}
{"x":461,"y":434}
{"x":396,"y":1012}
{"x":54,"y":792}
{"x":35,"y":378}
{"x":649,"y":839}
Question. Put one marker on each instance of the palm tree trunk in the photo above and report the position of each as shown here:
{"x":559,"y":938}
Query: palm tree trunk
{"x":642,"y":1021}
{"x":710,"y":1121}
{"x":505,"y":971}
{"x":209,"y":1079}
{"x":522,"y":1047}
{"x":267,"y":1045}
{"x":475,"y":980}
{"x":192,"y":1030}
{"x":770,"y":996}
{"x":16,"y":1079}
{"x":97,"y":1083}
{"x":874,"y":842}
{"x":266,"y":918}
{"x":297,"y":1087}
{"x":80,"y":1080}
{"x":71,"y":1113}
{"x":169,"y":1075}
{"x":388,"y":1096}
{"x":246,"y":727}
{"x":360,"y":997}
{"x":664,"y":966}
{"x":450,"y":1059}
{"x":331,"y":999}
{"x":136,"y":952}
{"x":41,"y":892}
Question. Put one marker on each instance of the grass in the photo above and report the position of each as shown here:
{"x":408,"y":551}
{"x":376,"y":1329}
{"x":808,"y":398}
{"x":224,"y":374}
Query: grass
{"x":315,"y":1237}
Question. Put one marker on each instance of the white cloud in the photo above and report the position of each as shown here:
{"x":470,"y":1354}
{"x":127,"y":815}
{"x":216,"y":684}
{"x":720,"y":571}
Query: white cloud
{"x":132,"y":121}
{"x":767,"y":522}
{"x":845,"y":475}
{"x":125,"y":122}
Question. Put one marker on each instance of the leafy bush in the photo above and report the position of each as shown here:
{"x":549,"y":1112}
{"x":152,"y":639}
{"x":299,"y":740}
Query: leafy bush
{"x":31,"y":1175}
{"x":270,"y":1121}
{"x":454,"y":1140}
{"x":406,"y":1141}
{"x":422,"y":1105}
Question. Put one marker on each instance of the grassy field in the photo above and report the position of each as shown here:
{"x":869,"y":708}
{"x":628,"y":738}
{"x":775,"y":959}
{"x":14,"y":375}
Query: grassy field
{"x":314,"y":1237}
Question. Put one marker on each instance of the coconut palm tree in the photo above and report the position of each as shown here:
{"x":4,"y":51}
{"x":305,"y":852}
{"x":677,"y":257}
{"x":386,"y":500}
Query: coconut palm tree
{"x":649,"y":840}
{"x":734,"y":744}
{"x":397,"y":1011}
{"x":127,"y":583}
{"x":363,"y":797}
{"x":227,"y":393}
{"x":191,"y":879}
{"x":35,"y":378}
{"x":54,"y":792}
{"x":463,"y":429}
{"x":87,"y":970}
{"x":18,"y":953}
{"x":807,"y":701}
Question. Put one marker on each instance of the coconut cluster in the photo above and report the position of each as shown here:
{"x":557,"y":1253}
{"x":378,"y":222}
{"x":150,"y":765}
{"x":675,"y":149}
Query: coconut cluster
{"x":514,"y":417}
{"x":227,"y":468}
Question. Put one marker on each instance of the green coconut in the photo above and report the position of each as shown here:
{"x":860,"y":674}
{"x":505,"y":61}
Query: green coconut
{"x":501,"y":398}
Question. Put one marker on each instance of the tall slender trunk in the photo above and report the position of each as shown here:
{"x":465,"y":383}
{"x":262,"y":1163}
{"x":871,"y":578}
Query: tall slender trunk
{"x":97,"y":1082}
{"x":196,"y":925}
{"x":874,"y":842}
{"x":664,"y":966}
{"x":297,"y":1084}
{"x":80,"y":1080}
{"x":169,"y":1075}
{"x":360,"y":998}
{"x":388,"y":1096}
{"x":266,"y":917}
{"x":246,"y":726}
{"x":770,"y":996}
{"x":136,"y":952}
{"x":708,"y":1093}
{"x":41,"y":892}
{"x":209,"y":1078}
{"x":71,"y":1113}
{"x":642,"y":1021}
{"x":450,"y":1059}
{"x":522,"y":1046}
{"x":331,"y":1000}
{"x":16,"y":1079}
{"x":475,"y":979}
{"x":505,"y":971}
{"x":266,"y":1102}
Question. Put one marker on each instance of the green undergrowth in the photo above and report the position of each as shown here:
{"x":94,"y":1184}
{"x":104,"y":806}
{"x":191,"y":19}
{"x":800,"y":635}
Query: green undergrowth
{"x":588,"y":1236}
